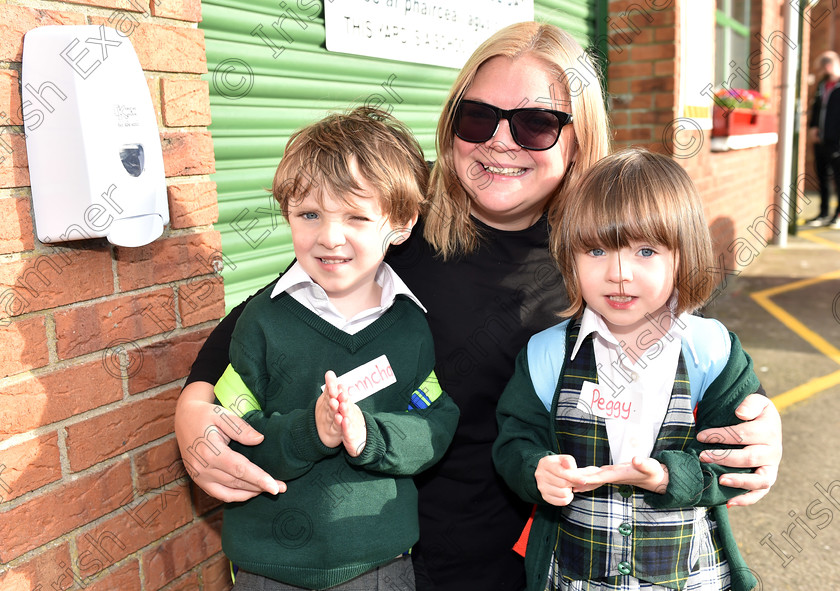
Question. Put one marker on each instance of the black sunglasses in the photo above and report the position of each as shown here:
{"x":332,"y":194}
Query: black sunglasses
{"x":533,"y":129}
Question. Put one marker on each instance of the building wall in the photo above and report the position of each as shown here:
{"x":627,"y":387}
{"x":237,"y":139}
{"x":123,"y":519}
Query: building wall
{"x":96,"y":341}
{"x":737,"y":186}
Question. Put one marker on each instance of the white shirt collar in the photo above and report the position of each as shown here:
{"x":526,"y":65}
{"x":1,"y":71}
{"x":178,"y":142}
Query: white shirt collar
{"x":386,"y":277}
{"x":591,"y":322}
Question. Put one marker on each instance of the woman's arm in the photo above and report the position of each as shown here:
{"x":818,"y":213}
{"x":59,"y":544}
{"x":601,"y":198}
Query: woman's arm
{"x":761,"y":436}
{"x":204,"y":429}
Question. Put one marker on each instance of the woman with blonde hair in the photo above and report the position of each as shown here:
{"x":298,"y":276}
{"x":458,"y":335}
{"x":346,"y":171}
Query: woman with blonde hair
{"x":523,"y":119}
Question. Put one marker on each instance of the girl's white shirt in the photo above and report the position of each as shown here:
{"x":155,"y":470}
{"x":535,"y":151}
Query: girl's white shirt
{"x":649,"y":379}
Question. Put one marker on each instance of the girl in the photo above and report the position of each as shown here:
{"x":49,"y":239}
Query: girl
{"x":598,"y":424}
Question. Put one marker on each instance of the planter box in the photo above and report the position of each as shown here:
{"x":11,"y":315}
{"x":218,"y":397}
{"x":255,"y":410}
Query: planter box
{"x":727,"y":122}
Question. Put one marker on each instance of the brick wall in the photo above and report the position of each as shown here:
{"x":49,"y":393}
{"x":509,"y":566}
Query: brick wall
{"x":96,"y":340}
{"x":737,"y":186}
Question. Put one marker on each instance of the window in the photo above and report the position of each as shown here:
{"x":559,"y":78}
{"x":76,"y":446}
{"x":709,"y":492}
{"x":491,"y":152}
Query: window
{"x":732,"y":39}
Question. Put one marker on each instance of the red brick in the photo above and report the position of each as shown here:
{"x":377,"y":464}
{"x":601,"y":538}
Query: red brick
{"x":24,"y":346}
{"x":182,"y":552}
{"x":661,"y":117}
{"x":216,"y":574}
{"x":128,"y":426}
{"x":184,"y":10}
{"x":619,"y":87}
{"x":141,"y":522}
{"x":634,"y":134}
{"x":84,"y":329}
{"x":185,"y":103}
{"x":61,"y":277}
{"x":163,"y":49}
{"x":15,"y":21}
{"x":201,"y":299}
{"x":14,"y":165}
{"x":188,"y":153}
{"x":165,"y":361}
{"x":63,"y":509}
{"x":154,"y":92}
{"x":159,"y":466}
{"x":124,"y":578}
{"x":629,"y":70}
{"x":652,"y":85}
{"x":665,"y":68}
{"x":658,"y":51}
{"x":43,"y":569}
{"x":202,"y":502}
{"x":28,"y":466}
{"x":188,"y":582}
{"x":16,"y":231}
{"x":10,"y":110}
{"x":51,"y":397}
{"x":665,"y":34}
{"x":193,"y":204}
{"x":169,"y":259}
{"x":133,"y":6}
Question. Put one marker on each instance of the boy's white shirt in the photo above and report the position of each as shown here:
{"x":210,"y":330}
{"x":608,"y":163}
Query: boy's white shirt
{"x":649,"y":379}
{"x":298,"y":284}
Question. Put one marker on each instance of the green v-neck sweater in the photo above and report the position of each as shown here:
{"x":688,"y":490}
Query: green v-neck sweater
{"x":341,"y":516}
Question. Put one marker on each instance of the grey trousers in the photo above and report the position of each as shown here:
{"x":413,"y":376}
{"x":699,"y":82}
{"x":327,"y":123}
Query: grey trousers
{"x":397,"y":575}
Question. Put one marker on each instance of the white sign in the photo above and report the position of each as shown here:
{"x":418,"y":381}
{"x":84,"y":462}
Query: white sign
{"x":597,"y":400}
{"x":367,"y":379}
{"x":441,"y":32}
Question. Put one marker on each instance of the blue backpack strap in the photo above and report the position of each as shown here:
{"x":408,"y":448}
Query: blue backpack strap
{"x":710,"y":339}
{"x":546,"y":354}
{"x":710,"y":354}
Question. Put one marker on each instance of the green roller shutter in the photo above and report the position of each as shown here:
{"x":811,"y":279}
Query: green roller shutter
{"x":269,"y":74}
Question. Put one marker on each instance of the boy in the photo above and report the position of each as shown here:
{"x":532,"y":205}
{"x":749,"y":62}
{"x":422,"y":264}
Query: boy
{"x":349,"y":186}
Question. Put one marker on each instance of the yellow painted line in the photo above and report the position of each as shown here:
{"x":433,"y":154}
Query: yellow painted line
{"x":808,"y":335}
{"x":772,"y":291}
{"x":806,"y":390}
{"x":812,"y":236}
{"x":762,"y":298}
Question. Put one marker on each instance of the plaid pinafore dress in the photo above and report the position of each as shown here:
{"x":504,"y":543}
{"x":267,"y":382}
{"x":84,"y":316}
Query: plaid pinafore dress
{"x":610,"y":538}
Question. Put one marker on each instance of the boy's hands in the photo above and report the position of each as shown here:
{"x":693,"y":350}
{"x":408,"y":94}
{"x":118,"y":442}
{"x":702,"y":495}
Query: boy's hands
{"x":338,"y":419}
{"x":327,"y":419}
{"x":353,"y":426}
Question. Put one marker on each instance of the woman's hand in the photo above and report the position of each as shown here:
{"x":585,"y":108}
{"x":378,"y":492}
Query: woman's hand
{"x":762,"y":436}
{"x":204,"y":430}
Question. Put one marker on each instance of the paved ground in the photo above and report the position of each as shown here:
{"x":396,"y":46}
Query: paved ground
{"x":785,"y":307}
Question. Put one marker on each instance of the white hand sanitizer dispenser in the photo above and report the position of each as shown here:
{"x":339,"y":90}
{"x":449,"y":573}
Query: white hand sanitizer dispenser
{"x":92,"y":140}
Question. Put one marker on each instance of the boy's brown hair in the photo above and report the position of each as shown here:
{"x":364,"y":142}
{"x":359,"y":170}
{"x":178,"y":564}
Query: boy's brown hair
{"x":635,"y":195}
{"x":330,"y":153}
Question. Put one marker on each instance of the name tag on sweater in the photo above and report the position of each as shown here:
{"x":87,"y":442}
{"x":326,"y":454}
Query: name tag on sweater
{"x":367,"y":379}
{"x":603,"y":402}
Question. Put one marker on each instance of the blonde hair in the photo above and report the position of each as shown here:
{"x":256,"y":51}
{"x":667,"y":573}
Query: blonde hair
{"x":370,"y":143}
{"x":448,"y":226}
{"x":635,"y":195}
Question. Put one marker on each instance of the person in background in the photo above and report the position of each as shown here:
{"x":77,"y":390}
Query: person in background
{"x":524,"y":119}
{"x":824,"y":132}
